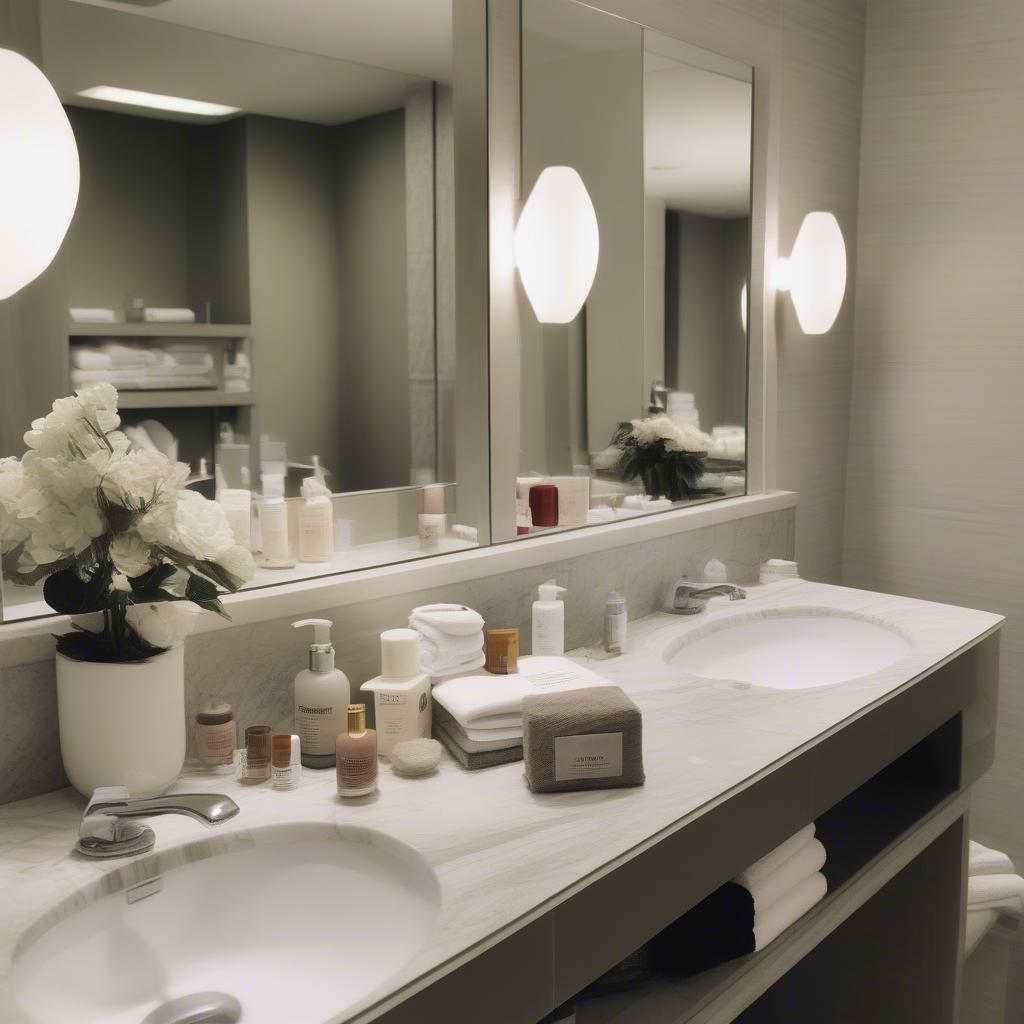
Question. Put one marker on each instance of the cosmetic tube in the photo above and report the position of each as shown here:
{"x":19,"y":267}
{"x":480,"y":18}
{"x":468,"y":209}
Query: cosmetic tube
{"x":286,"y":764}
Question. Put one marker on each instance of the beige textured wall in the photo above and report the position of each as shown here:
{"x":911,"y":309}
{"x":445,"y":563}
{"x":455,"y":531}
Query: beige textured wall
{"x":935,"y":503}
{"x":822,"y":76}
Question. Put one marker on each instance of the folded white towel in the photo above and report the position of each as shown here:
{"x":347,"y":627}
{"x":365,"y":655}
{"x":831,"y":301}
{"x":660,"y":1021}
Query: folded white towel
{"x":164,"y":314}
{"x":984,"y":861}
{"x":122,"y":355}
{"x":768,"y":890}
{"x":140,"y":380}
{"x":470,"y":666}
{"x":1004,"y":893}
{"x":89,"y":358}
{"x":451,"y":619}
{"x":784,"y":912}
{"x":979,"y":922}
{"x":496,"y":702}
{"x":92,"y":315}
{"x":773,"y":861}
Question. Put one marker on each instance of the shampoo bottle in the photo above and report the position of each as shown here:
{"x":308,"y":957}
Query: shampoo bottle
{"x":401,"y":693}
{"x":321,"y":699}
{"x":548,"y":634}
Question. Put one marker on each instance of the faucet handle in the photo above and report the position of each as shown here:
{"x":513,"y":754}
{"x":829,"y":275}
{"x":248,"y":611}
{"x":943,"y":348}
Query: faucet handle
{"x":678,"y":599}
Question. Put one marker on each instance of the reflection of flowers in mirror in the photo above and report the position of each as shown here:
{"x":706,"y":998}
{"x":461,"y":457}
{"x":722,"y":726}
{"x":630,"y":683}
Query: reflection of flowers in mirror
{"x":114,"y":533}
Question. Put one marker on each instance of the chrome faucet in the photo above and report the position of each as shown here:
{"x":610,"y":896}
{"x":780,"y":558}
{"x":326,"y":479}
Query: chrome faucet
{"x":685,"y":597}
{"x":108,"y":831}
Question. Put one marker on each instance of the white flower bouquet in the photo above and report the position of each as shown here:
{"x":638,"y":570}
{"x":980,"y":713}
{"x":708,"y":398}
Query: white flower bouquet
{"x":670,"y":459}
{"x":114,"y":533}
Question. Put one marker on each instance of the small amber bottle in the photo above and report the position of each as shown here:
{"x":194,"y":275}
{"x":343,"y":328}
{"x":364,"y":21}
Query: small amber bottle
{"x":356,"y":755}
{"x":502,"y":651}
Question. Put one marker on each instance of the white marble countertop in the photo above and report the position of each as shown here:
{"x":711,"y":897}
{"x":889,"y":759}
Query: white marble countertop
{"x":499,"y":850}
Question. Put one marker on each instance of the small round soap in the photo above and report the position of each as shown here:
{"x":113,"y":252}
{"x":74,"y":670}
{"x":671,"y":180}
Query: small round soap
{"x":415,"y":757}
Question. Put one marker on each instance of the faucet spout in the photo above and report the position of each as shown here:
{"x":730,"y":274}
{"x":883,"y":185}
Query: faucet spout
{"x":107,"y":831}
{"x":689,"y":598}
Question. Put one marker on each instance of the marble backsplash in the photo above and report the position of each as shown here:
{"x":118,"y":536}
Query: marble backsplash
{"x":253,"y":666}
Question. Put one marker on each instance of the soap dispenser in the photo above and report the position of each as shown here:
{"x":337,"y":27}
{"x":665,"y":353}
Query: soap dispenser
{"x":321,"y":698}
{"x":401,"y":693}
{"x":548,"y":634}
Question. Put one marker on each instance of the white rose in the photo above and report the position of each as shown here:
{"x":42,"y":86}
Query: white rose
{"x":13,"y":528}
{"x":131,"y":555}
{"x":139,"y":476}
{"x":164,"y":623}
{"x":239,"y":563}
{"x":201,"y":527}
{"x":99,"y":403}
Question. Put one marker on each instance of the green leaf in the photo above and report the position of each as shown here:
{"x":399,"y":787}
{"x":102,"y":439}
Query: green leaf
{"x":68,"y":594}
{"x":148,"y":586}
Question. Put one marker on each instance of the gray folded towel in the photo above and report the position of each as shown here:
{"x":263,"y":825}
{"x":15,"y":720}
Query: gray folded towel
{"x":582,"y":739}
{"x":479,"y":759}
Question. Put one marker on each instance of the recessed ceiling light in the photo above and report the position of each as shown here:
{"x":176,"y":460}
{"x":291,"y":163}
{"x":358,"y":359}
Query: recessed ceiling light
{"x":155,"y":101}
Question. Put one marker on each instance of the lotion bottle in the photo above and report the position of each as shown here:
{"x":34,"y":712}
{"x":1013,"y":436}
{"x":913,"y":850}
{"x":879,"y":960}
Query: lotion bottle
{"x":548,"y":634}
{"x":321,"y":698}
{"x":316,"y":520}
{"x":357,"y":756}
{"x":401,"y":693}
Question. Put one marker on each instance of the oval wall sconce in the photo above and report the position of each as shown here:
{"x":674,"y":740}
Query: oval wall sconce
{"x":39,"y":172}
{"x":815,"y":273}
{"x":557,"y":243}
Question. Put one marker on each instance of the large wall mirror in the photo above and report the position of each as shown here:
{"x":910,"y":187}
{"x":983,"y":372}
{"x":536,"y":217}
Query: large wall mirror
{"x":262,"y":259}
{"x":638,"y":403}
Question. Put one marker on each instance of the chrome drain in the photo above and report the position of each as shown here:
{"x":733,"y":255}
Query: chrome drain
{"x":201,"y":1008}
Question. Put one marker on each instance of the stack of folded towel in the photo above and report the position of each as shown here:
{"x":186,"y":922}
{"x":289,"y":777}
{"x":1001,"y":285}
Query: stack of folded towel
{"x":133,"y":366}
{"x":993,"y":888}
{"x":480,"y":718}
{"x":749,"y":912}
{"x":238,"y":374}
{"x":451,"y":639}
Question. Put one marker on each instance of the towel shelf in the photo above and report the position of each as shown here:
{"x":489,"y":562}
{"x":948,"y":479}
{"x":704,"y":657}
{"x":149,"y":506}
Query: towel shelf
{"x":158,"y":330}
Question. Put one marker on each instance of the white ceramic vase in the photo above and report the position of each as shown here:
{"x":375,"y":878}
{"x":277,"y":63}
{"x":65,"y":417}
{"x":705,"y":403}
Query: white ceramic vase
{"x":122,"y":724}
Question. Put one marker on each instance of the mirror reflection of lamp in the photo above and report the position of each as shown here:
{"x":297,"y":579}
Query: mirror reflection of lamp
{"x":557,"y":244}
{"x":743,"y":306}
{"x":39,"y":172}
{"x":815,"y":273}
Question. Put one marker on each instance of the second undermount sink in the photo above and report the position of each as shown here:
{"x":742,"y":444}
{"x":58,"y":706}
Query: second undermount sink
{"x":282,"y":923}
{"x":788,"y":649}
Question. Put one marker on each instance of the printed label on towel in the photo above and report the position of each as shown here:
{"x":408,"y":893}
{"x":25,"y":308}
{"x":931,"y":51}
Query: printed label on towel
{"x":595,"y":756}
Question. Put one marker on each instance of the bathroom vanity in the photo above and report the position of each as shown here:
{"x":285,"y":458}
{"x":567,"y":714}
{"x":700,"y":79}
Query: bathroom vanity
{"x":514,"y":902}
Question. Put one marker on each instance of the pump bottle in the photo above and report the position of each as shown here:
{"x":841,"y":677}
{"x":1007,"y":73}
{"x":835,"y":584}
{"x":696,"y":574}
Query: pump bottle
{"x":321,"y":699}
{"x":548,"y":634}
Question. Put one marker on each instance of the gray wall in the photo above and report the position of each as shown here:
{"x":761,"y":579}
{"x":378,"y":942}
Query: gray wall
{"x":583,"y":106}
{"x":254,"y":666}
{"x":821,"y":81}
{"x":371,"y":283}
{"x":935,"y":504}
{"x":300,"y":362}
{"x":706,"y":263}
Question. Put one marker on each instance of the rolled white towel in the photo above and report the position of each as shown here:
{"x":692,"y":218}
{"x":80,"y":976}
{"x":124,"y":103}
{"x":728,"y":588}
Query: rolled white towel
{"x":89,"y":359}
{"x":771,"y":862}
{"x":1003,"y":893}
{"x":769,"y":925}
{"x":122,"y":355}
{"x":451,"y":619}
{"x":984,"y":861}
{"x":442,"y":653}
{"x":770,"y":889}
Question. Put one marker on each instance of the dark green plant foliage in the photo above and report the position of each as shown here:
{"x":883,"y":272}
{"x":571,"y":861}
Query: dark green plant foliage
{"x":665,"y":474}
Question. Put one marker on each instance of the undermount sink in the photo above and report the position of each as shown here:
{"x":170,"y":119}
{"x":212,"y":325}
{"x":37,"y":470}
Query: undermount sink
{"x":788,"y":649}
{"x":281,"y":923}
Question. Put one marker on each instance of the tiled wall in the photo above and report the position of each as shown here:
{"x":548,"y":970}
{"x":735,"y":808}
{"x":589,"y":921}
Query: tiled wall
{"x":254,"y":666}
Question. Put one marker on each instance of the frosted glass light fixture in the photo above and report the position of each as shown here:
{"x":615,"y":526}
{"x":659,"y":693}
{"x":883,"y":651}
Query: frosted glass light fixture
{"x":815,"y":273}
{"x":557,"y":244}
{"x":743,"y":306}
{"x":38,"y":172}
